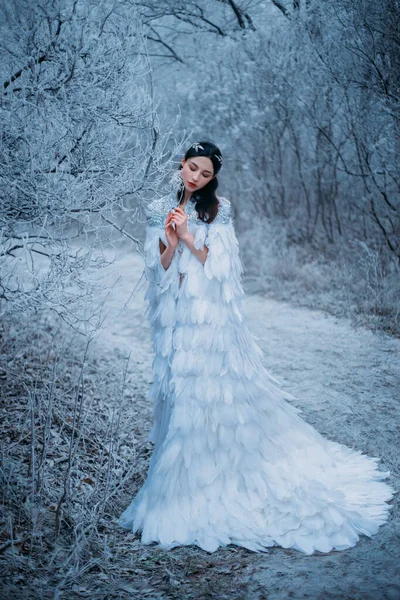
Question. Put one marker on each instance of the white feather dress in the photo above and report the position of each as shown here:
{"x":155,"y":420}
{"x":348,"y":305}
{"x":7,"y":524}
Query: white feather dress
{"x":233,"y":462}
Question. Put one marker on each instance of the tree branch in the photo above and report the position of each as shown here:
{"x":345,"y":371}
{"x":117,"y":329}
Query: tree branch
{"x":38,"y":61}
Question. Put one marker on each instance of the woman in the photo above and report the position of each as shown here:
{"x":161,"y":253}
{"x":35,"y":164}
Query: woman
{"x":233,"y":461}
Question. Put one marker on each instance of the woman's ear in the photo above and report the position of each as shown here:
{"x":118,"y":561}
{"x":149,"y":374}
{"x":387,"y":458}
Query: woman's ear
{"x":183,"y":161}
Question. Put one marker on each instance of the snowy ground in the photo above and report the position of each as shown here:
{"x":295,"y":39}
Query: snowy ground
{"x":347,"y":383}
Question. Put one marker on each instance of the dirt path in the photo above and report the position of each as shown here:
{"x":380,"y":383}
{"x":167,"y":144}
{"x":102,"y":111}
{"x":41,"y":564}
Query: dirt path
{"x":347,"y":383}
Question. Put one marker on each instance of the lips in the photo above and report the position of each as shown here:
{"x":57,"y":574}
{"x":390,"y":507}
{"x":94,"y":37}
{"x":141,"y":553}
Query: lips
{"x":192,"y":184}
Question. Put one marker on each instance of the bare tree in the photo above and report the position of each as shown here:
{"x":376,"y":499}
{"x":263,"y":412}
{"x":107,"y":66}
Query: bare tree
{"x":81,"y":143}
{"x":309,"y":106}
{"x":170,"y":25}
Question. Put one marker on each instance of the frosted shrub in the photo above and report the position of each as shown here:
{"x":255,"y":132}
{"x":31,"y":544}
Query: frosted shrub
{"x":265,"y":251}
{"x":378,"y":280}
{"x":352,"y":280}
{"x":80,"y":146}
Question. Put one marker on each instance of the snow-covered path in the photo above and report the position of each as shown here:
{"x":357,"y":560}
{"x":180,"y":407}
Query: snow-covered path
{"x":347,"y":382}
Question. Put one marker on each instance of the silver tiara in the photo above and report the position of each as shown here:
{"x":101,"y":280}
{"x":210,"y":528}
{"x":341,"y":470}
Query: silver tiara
{"x":198,"y":146}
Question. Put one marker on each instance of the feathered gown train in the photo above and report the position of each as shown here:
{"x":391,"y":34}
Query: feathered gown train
{"x":233,"y":461}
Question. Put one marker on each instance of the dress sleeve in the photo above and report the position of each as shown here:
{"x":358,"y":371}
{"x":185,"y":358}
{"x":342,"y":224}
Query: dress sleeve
{"x":223,"y":262}
{"x":155,"y":231}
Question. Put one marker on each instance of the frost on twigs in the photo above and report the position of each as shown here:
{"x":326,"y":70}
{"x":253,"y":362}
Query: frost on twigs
{"x":81,"y":148}
{"x":69,"y":447}
{"x":75,"y":419}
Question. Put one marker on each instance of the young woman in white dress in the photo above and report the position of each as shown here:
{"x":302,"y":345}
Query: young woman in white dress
{"x":233,"y":462}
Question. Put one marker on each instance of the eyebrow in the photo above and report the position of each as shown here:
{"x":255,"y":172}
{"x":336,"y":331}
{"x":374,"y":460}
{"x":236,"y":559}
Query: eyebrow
{"x":205,"y":170}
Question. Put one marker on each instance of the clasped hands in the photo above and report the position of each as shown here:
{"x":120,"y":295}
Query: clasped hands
{"x":179,"y":217}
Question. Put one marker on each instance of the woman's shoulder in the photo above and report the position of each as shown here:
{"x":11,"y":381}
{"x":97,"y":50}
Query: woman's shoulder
{"x":157,"y":209}
{"x":224,"y":211}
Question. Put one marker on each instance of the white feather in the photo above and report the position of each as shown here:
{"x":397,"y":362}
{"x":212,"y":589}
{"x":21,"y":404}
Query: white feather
{"x":233,"y":462}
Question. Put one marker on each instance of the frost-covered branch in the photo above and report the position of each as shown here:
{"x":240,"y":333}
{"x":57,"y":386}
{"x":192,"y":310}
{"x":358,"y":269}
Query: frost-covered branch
{"x":81,"y":145}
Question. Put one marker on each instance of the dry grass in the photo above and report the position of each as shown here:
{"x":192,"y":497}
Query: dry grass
{"x":73,"y":453}
{"x":347,"y":279}
{"x":75,"y":420}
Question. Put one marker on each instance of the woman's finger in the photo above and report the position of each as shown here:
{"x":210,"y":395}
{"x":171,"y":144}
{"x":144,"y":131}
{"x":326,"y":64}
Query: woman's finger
{"x":180,"y":216}
{"x":180,"y":211}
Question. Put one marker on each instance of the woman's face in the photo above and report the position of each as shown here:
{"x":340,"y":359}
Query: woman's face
{"x":197,"y":172}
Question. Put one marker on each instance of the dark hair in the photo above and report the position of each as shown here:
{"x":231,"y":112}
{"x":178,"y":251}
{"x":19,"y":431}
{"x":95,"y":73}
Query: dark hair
{"x":206,"y":201}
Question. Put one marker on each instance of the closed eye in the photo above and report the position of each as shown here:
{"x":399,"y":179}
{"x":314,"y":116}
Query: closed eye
{"x":205,"y":174}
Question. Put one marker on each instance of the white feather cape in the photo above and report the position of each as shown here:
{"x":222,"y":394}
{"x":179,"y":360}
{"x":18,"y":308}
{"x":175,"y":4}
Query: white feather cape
{"x":233,"y":461}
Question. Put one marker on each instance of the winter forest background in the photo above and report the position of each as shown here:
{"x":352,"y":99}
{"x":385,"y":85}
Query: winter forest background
{"x":98,"y":102}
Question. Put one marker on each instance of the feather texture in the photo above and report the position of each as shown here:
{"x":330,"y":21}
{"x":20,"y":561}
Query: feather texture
{"x":233,"y":461}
